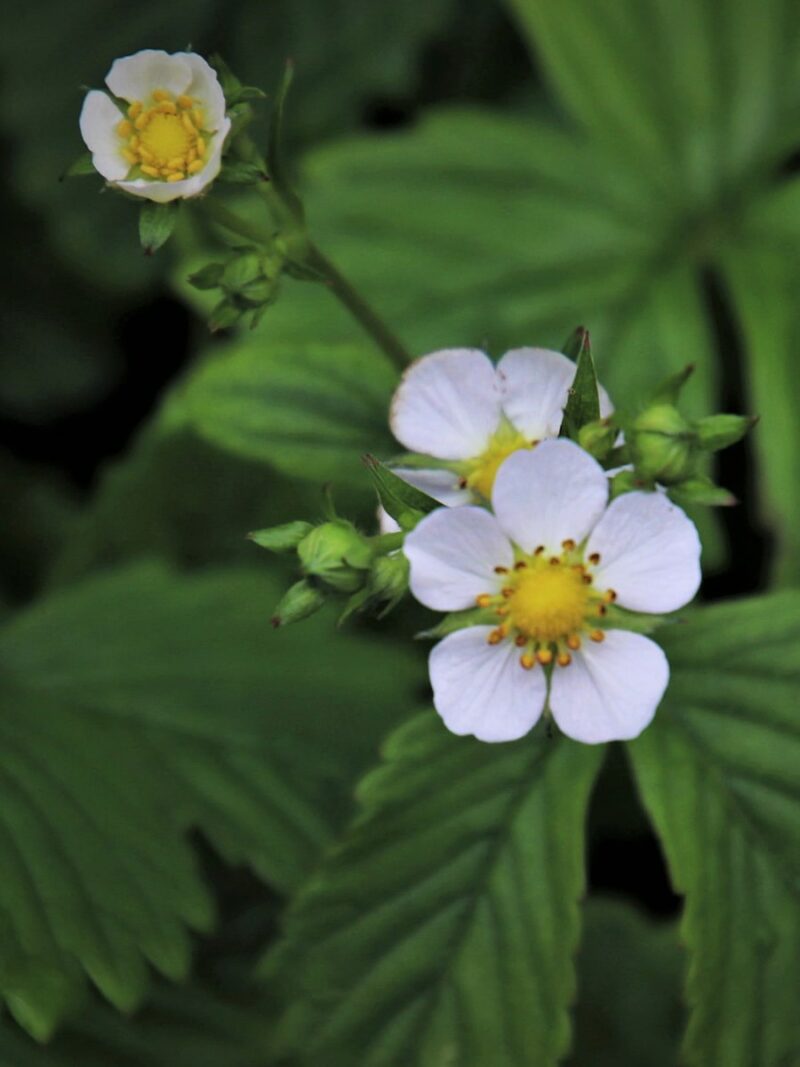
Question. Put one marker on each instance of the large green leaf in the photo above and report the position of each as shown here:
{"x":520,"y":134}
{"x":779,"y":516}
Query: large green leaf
{"x":441,"y":929}
{"x":719,"y":772}
{"x":310,"y":409}
{"x":140,"y":705}
{"x":180,"y":1026}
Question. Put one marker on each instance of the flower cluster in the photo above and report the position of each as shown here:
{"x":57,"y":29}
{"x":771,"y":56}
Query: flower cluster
{"x":534,"y":542}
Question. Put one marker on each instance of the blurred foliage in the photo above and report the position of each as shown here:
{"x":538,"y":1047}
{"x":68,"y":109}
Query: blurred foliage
{"x":647,"y":189}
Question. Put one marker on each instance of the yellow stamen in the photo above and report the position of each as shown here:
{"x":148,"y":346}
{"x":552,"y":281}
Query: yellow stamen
{"x":527,"y":661}
{"x":160,"y":94}
{"x":185,"y":102}
{"x":563,"y":659}
{"x":135,"y":110}
{"x":597,"y":635}
{"x":125,"y":128}
{"x":496,"y":636}
{"x":199,"y":118}
{"x":573,"y":642}
{"x":483,"y":601}
{"x":152,"y":171}
{"x":142,"y":120}
{"x":177,"y":177}
{"x":200,"y":147}
{"x":544,"y":656}
{"x":131,"y":157}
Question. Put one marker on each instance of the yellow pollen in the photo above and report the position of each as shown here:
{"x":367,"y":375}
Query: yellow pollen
{"x":483,"y":601}
{"x":528,"y":661}
{"x":597,"y":635}
{"x":574,"y":642}
{"x":563,"y":659}
{"x":545,"y":656}
{"x":548,"y":603}
{"x":483,"y":469}
{"x":165,"y":143}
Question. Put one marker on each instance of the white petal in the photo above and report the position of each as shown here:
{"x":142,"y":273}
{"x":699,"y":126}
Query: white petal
{"x":453,"y":553}
{"x":534,"y":387}
{"x":206,"y":88}
{"x":447,"y":405}
{"x":163,"y":192}
{"x":135,"y":77}
{"x":441,"y":485}
{"x":550,"y":494}
{"x":610,"y":691}
{"x":386,"y":524}
{"x":649,"y":553}
{"x":98,"y":123}
{"x":481,"y":689}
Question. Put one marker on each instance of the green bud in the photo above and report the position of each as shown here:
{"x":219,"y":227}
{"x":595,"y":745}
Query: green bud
{"x":298,"y":602}
{"x":336,"y":554}
{"x":719,"y":431}
{"x":283,"y":538}
{"x":240,"y":272}
{"x":388,"y":579}
{"x":597,"y":438}
{"x":661,"y":443}
{"x":670,"y":389}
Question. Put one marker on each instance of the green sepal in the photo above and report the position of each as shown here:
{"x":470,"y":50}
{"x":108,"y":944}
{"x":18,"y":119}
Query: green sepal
{"x":156,"y":223}
{"x":239,"y":172}
{"x":284,"y":538}
{"x":208,"y":277}
{"x":302,"y":599}
{"x":597,"y":438}
{"x":670,"y":389}
{"x":275,"y":155}
{"x":583,"y":400}
{"x":405,"y":503}
{"x":626,"y":482}
{"x":459,"y":620}
{"x":235,"y":93}
{"x":224,"y":316}
{"x":701,"y":490}
{"x":244,"y":94}
{"x":575,"y":342}
{"x":719,"y":431}
{"x":337,"y":554}
{"x":80,"y":167}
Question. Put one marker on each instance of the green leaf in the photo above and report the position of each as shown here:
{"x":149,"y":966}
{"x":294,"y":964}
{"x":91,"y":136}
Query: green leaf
{"x":583,"y":399}
{"x":404,"y":502}
{"x":441,"y":929}
{"x":139,"y":706}
{"x":718,"y":775}
{"x":156,"y":223}
{"x":309,"y":410}
{"x":181,"y":1025}
{"x":81,"y":167}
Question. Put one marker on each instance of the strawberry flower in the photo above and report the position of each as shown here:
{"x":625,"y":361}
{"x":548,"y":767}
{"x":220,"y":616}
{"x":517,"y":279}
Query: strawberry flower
{"x":167,"y":142}
{"x":469,"y":415}
{"x":547,"y":565}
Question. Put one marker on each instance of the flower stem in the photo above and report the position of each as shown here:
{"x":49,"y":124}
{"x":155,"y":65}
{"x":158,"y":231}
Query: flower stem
{"x":358,"y":307}
{"x":234,"y":223}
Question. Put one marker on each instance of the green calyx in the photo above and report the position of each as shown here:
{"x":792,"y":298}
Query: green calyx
{"x":336,"y":554}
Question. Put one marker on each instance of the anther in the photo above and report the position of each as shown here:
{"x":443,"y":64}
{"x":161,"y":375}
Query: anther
{"x":563,"y":659}
{"x":520,"y":640}
{"x":610,"y":596}
{"x":501,"y":570}
{"x":188,"y":125}
{"x":198,"y":117}
{"x":538,"y":550}
{"x":568,"y":545}
{"x":176,"y":163}
{"x":483,"y":601}
{"x":496,"y":636}
{"x":573,"y":642}
{"x":544,"y":656}
{"x":160,"y":94}
{"x":602,"y":609}
{"x":200,"y":148}
{"x":176,"y":176}
{"x":502,"y":612}
{"x":135,"y":110}
{"x":587,"y":579}
{"x":527,"y":661}
{"x":125,"y":128}
{"x":507,"y":592}
{"x":131,"y":157}
{"x":142,"y":120}
{"x":594,"y":558}
{"x":554,"y":561}
{"x":520,"y":565}
{"x":168,"y":108}
{"x":597,"y":635}
{"x":147,"y":155}
{"x":154,"y":172}
{"x":185,"y":102}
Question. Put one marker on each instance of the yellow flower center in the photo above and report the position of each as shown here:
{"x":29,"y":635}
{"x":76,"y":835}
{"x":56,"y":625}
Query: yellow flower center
{"x":164,"y":140}
{"x":547,"y":604}
{"x":482,"y":470}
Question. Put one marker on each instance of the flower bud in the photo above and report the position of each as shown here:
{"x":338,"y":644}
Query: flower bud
{"x":388,"y":579}
{"x":597,"y":438}
{"x":336,"y":554}
{"x":662,"y":445}
{"x":625,"y":481}
{"x":298,"y":602}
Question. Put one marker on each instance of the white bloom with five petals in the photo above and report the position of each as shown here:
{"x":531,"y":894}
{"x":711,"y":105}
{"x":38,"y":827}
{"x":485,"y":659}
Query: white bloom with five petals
{"x":167,"y":143}
{"x":547,"y":564}
{"x":459,"y":408}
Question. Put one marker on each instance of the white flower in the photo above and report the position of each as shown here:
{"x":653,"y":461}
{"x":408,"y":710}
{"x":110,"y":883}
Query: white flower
{"x":458,"y":407}
{"x":548,"y":563}
{"x":168,"y":143}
